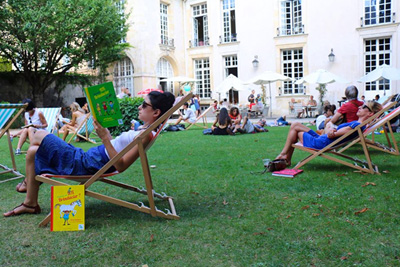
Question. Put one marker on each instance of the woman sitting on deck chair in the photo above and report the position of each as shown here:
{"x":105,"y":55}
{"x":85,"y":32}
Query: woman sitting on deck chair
{"x":309,"y":138}
{"x":50,"y":154}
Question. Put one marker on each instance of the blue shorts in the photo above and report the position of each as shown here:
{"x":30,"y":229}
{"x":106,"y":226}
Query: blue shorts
{"x":313,"y":140}
{"x":58,"y":157}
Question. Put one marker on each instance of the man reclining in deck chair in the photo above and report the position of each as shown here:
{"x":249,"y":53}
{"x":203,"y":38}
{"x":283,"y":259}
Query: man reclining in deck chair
{"x":309,"y":138}
{"x":50,"y":154}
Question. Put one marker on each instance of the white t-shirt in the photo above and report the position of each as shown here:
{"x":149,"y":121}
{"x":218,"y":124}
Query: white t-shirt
{"x":189,"y":114}
{"x":320,"y":119}
{"x":35,"y":119}
{"x":123,"y":140}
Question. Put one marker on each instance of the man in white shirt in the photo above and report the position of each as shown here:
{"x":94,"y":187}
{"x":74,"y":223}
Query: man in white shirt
{"x":189,"y":116}
{"x":124,"y":93}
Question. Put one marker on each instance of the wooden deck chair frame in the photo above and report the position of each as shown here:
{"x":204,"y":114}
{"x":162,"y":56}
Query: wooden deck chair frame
{"x":202,"y":116}
{"x":87,"y":181}
{"x":84,"y":126}
{"x":360,"y":165}
{"x":391,"y":146}
{"x":7,"y":119}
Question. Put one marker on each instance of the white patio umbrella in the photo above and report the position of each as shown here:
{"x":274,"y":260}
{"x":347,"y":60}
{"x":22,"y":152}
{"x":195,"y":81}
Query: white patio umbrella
{"x":179,"y":79}
{"x":321,"y":77}
{"x":230,"y":82}
{"x":269,"y":77}
{"x":382,"y":72}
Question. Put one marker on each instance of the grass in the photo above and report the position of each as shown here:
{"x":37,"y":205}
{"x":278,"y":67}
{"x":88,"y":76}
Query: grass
{"x":229,"y":217}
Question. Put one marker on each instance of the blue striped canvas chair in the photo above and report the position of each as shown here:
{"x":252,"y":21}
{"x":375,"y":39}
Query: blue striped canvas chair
{"x":51,"y":116}
{"x":84,"y":130}
{"x":8,"y":114}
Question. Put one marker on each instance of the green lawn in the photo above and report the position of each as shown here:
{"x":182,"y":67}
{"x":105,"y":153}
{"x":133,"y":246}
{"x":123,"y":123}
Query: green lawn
{"x":229,"y":217}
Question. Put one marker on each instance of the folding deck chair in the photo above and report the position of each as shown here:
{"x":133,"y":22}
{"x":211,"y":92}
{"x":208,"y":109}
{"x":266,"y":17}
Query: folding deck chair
{"x":51,"y":116}
{"x":202,"y":116}
{"x":331,"y":150}
{"x":87,"y":181}
{"x":381,"y":122}
{"x":7,"y":112}
{"x":84,"y":130}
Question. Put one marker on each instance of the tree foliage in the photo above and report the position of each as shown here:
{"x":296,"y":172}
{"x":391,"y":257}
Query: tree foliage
{"x":44,"y":37}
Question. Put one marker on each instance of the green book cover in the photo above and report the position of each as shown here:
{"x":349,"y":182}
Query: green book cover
{"x":104,"y":105}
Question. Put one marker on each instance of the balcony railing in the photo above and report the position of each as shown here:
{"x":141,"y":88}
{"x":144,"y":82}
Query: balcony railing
{"x":167,"y":41}
{"x":284,"y":31}
{"x":363,"y":24}
{"x":228,"y":38}
{"x":197,"y":42}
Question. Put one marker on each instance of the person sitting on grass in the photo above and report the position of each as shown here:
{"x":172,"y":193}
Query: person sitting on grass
{"x":222,"y":123}
{"x":309,"y":138}
{"x":249,"y":127}
{"x":189,"y":116}
{"x":50,"y":154}
{"x":236,"y":118}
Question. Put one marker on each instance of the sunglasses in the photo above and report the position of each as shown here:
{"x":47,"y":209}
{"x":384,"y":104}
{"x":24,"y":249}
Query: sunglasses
{"x":365,"y":106}
{"x":145,"y":104}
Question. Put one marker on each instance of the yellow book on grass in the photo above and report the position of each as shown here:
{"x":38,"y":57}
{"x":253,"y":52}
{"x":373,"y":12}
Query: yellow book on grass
{"x":68,"y":208}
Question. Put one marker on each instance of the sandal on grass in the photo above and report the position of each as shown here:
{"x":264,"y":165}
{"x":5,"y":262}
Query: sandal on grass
{"x":36,"y":210}
{"x":23,"y":185}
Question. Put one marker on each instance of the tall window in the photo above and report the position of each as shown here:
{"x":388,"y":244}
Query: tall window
{"x":229,"y":21}
{"x":377,"y":12}
{"x":123,"y":75}
{"x":202,"y":73}
{"x":292,"y":66}
{"x":164,"y":71}
{"x":164,"y":23}
{"x":377,"y":52}
{"x":291,"y":21}
{"x":121,"y":8}
{"x":231,"y":67}
{"x":200,"y":26}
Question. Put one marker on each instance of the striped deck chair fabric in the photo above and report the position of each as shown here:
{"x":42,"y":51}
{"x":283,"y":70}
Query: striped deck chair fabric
{"x":85,"y":129}
{"x":51,"y":116}
{"x":8,"y":114}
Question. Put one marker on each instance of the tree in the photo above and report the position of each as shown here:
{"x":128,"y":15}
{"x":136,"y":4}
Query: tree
{"x":44,"y":39}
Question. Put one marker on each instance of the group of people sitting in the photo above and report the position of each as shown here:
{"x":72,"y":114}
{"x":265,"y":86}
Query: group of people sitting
{"x":349,"y":115}
{"x":229,"y":123}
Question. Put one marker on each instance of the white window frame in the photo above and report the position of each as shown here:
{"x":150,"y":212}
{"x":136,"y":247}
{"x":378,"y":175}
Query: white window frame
{"x":165,"y":70}
{"x":228,"y":7}
{"x":377,"y":13}
{"x":292,"y":66}
{"x":230,"y":62}
{"x":123,"y":75}
{"x":377,"y":52}
{"x":291,"y":17}
{"x":202,"y":74}
{"x":164,"y":23}
{"x":200,"y":11}
{"x":121,"y":8}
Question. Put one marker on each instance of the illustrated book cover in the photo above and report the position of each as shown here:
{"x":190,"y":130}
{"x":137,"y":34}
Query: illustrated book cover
{"x":104,"y":105}
{"x":68,"y":208}
{"x":287,"y":173}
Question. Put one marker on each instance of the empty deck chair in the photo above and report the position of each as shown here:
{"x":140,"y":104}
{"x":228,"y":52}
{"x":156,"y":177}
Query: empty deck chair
{"x":100,"y":176}
{"x":8,"y":114}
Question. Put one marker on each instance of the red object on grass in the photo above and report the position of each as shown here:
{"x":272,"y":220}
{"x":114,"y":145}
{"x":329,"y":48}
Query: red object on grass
{"x":147,"y":91}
